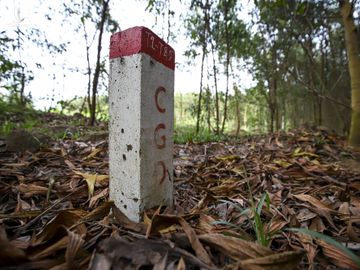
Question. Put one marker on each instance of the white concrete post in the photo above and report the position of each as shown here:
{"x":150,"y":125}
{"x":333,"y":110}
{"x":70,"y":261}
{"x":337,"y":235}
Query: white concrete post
{"x":141,"y":121}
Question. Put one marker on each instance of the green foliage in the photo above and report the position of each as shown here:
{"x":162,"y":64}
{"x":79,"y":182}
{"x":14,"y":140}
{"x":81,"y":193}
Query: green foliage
{"x":78,"y":105}
{"x":7,"y":66}
{"x":253,"y":213}
{"x":184,"y":134}
{"x":262,"y":237}
{"x":7,"y":127}
{"x":252,"y":113}
{"x":14,"y":115}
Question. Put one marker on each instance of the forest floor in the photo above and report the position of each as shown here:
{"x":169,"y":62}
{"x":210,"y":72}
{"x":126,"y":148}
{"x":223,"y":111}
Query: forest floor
{"x":259,"y":202}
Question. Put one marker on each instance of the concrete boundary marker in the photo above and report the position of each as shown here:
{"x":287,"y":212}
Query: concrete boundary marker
{"x":141,"y":101}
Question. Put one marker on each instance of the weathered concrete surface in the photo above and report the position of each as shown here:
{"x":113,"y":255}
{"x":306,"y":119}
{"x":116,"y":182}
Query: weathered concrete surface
{"x":140,"y":132}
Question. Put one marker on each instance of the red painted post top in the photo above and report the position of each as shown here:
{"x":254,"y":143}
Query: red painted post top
{"x":140,"y":39}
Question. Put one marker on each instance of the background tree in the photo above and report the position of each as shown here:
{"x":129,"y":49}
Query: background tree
{"x":16,"y":72}
{"x":94,"y":15}
{"x":353,"y":51}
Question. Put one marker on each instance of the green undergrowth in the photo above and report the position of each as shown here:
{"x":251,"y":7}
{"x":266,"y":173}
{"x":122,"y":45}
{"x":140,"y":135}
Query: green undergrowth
{"x":15,"y":116}
{"x":262,"y":230}
{"x":187,"y":133}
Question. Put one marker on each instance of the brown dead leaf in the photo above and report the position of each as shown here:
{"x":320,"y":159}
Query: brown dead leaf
{"x":64,"y":219}
{"x":126,"y":222}
{"x":305,"y":215}
{"x":94,"y":199}
{"x":70,"y":164}
{"x":181,"y":265}
{"x":74,"y":244}
{"x":317,"y":225}
{"x":195,"y":243}
{"x":336,"y":256}
{"x":206,"y":223}
{"x":285,"y":260}
{"x":313,"y":201}
{"x":309,"y":246}
{"x":121,"y":253}
{"x":29,"y":190}
{"x":99,"y":212}
{"x":51,"y":249}
{"x":236,"y":248}
{"x":22,"y":205}
{"x":161,"y":265}
{"x":161,"y":222}
{"x":319,"y":207}
{"x":276,"y":224}
{"x":10,"y":254}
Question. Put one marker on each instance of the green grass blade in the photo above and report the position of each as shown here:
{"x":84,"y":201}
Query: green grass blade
{"x":235,"y":205}
{"x":245,"y":212}
{"x":329,"y":240}
{"x":264,"y":197}
{"x":226,"y":223}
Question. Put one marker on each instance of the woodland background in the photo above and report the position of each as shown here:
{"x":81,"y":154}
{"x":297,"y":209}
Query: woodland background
{"x":295,"y":52}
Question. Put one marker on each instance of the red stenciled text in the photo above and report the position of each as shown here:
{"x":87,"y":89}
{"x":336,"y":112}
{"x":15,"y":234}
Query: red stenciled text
{"x":160,"y":140}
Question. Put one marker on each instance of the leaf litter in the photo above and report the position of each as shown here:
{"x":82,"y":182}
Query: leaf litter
{"x":260,"y":202}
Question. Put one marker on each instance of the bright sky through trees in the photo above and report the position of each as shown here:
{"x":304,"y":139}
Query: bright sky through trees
{"x":62,"y":76}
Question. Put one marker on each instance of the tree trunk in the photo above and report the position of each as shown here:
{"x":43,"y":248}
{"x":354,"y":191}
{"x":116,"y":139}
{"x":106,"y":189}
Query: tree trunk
{"x":22,"y":88}
{"x":227,"y":39}
{"x":200,"y":90}
{"x":238,"y":116}
{"x":353,"y":51}
{"x":88,"y":72}
{"x":208,"y":108}
{"x":272,"y":102}
{"x":217,"y":116}
{"x":97,"y":67}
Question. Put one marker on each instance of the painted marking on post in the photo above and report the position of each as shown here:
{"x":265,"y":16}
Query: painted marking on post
{"x":160,"y":89}
{"x":162,"y":164}
{"x":141,"y":121}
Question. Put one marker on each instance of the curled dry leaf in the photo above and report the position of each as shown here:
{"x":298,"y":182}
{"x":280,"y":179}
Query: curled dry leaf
{"x":74,"y":245}
{"x":285,"y":260}
{"x":55,"y":227}
{"x":338,"y":257}
{"x":195,"y":243}
{"x":10,"y":254}
{"x":235,"y":248}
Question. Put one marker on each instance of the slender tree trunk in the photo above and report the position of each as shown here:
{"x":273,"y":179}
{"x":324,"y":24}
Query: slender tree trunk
{"x":89,"y":78}
{"x":208,"y":107}
{"x":238,"y":116}
{"x":88,"y":71}
{"x":278,"y":113}
{"x":226,"y":94}
{"x":204,"y":53}
{"x":272,"y":103}
{"x":22,"y":88}
{"x":217,"y":116}
{"x":200,"y":90}
{"x":227,"y":39}
{"x":83,"y":105}
{"x":353,"y":51}
{"x":97,"y":67}
{"x":284,"y":114}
